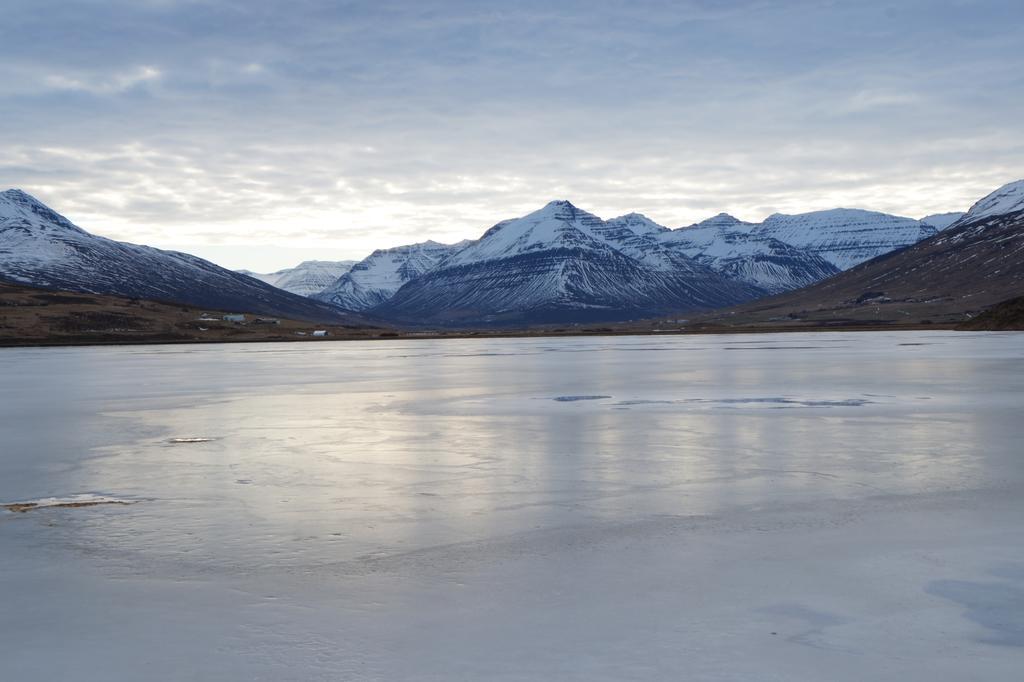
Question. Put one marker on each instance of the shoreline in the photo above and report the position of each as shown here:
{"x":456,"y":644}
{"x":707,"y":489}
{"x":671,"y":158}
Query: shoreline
{"x":479,"y":334}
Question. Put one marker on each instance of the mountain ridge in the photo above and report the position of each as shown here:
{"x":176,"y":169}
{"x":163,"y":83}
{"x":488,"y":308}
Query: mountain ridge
{"x":40,"y":247}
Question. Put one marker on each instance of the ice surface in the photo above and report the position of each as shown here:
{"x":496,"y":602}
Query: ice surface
{"x":817,"y":506}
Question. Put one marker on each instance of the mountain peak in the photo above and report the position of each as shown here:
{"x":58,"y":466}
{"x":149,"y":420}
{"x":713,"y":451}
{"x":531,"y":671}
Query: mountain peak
{"x":559,"y":208}
{"x":28,"y":211}
{"x":559,"y":203}
{"x":14,"y":192}
{"x":638,"y":223}
{"x":722,"y":219}
{"x":21,"y":197}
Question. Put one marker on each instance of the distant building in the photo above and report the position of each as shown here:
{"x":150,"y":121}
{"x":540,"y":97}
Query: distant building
{"x":320,"y":332}
{"x":234,"y":317}
{"x":266,"y":320}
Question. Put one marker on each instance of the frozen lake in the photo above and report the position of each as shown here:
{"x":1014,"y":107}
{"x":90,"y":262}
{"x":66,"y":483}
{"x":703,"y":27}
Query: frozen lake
{"x":771,"y":507}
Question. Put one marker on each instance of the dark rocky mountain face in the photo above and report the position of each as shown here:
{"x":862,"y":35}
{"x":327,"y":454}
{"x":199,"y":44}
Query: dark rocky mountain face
{"x":41,"y":248}
{"x":557,"y":285}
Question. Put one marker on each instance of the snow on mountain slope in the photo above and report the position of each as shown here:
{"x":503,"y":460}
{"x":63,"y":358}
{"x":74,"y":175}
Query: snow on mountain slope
{"x":376,"y":278}
{"x":1006,"y":200}
{"x":41,"y":248}
{"x":307,"y":278}
{"x":560,"y":224}
{"x":709,"y":235}
{"x":940,"y":221}
{"x":732,"y":248}
{"x":641,"y":238}
{"x":560,"y":264}
{"x":845,"y":236}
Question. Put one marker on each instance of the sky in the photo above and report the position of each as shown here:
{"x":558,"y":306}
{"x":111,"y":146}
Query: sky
{"x":258,"y":134}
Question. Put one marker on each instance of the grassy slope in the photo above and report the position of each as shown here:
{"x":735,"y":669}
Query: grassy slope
{"x":30,"y":316}
{"x":1008,"y":315}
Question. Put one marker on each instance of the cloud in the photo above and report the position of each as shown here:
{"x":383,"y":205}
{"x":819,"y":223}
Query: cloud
{"x":366,"y":124}
{"x":103,"y":84}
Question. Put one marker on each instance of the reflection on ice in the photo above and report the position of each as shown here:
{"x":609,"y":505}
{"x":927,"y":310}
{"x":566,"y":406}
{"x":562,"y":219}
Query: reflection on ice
{"x":420,"y":510}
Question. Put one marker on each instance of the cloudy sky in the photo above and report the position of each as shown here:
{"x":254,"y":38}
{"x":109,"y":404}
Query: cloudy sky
{"x":257,"y":134}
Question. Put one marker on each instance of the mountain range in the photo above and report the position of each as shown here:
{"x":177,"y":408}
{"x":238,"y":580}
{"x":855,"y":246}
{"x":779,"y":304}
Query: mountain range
{"x":563,"y":264}
{"x":974,"y":263}
{"x":41,"y":248}
{"x":559,"y":264}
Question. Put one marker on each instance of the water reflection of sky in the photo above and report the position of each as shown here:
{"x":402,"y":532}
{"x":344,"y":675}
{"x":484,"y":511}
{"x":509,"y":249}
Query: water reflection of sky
{"x":338,"y":451}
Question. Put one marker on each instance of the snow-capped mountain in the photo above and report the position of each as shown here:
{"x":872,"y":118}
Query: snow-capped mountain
{"x":42,"y":248}
{"x":376,"y":278}
{"x":734,"y":249}
{"x":557,"y":264}
{"x":845,"y":236}
{"x":560,"y":264}
{"x":1008,"y":200}
{"x":974,"y":263}
{"x":307,"y":278}
{"x":940,"y":221}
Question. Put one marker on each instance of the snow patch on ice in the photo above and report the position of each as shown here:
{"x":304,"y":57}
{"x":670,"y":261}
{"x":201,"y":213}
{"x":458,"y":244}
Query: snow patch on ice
{"x":79,"y":500}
